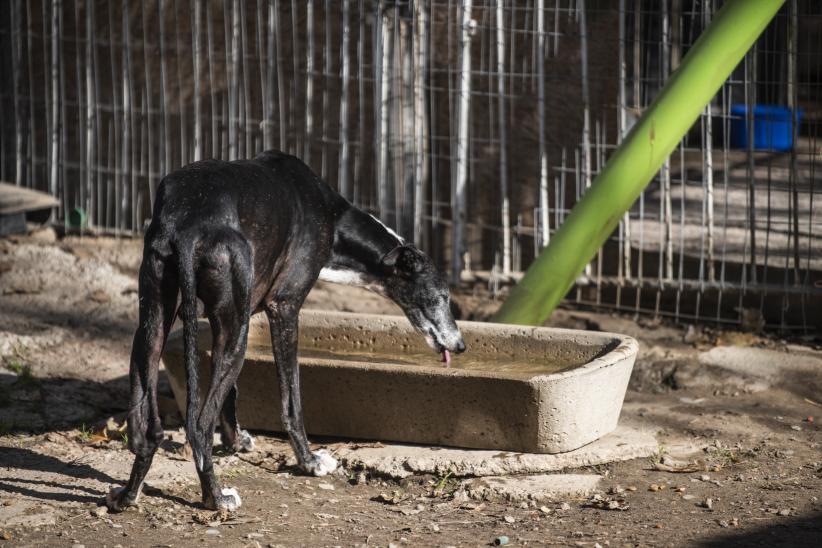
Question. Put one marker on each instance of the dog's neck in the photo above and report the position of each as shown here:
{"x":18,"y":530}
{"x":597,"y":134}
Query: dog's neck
{"x":361,"y":242}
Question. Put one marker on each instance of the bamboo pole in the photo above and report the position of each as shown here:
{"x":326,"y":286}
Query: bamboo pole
{"x":214,"y":112}
{"x":198,"y":123}
{"x":458,"y":244}
{"x":503,"y":140}
{"x":544,"y":224}
{"x":32,"y":133}
{"x":420,"y":121}
{"x":707,"y":64}
{"x":345,"y":70}
{"x":148,"y":95}
{"x":54,"y":151}
{"x":384,"y":53}
{"x":326,"y":74}
{"x":165,"y":134}
{"x":309,"y":80}
{"x":128,"y":198}
{"x":16,"y":71}
{"x":234,"y":82}
{"x":90,"y":118}
{"x":622,"y":129}
{"x":274,"y":14}
{"x":407,"y":129}
{"x":178,"y":58}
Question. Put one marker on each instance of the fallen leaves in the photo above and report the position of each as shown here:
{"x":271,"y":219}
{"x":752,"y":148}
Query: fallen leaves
{"x":607,"y":503}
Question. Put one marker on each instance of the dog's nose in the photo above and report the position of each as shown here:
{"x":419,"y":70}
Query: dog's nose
{"x":460,"y":348}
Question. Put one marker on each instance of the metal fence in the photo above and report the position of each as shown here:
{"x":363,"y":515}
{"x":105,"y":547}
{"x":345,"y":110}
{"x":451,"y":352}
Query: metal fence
{"x":470,"y":127}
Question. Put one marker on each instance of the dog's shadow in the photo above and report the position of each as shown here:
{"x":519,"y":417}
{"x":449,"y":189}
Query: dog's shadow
{"x":16,"y":458}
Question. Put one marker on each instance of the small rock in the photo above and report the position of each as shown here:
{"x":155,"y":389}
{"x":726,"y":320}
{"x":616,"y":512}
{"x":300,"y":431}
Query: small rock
{"x":100,"y":511}
{"x":523,"y":505}
{"x":796,"y":427}
{"x":5,"y":535}
{"x":434,"y":527}
{"x":564,"y":506}
{"x":785,"y":512}
{"x":326,"y":486}
{"x":724,"y":524}
{"x":688,"y":497}
{"x":510,"y":519}
{"x":501,"y":540}
{"x":78,"y":546}
{"x":707,"y":503}
{"x":544,"y":509}
{"x":213,"y":532}
{"x":705,"y":477}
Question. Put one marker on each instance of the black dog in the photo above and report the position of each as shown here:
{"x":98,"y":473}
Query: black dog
{"x":248,"y":236}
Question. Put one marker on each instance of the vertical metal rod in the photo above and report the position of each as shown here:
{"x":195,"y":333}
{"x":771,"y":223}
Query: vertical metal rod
{"x":503,"y":139}
{"x":545,"y":233}
{"x":345,"y":70}
{"x":198,"y":123}
{"x":792,"y":104}
{"x":750,"y":96}
{"x":459,"y":215}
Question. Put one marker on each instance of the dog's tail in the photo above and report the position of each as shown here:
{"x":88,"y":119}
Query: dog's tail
{"x":188,"y":315}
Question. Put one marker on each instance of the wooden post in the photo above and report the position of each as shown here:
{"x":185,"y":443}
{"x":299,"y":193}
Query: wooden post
{"x":458,"y":244}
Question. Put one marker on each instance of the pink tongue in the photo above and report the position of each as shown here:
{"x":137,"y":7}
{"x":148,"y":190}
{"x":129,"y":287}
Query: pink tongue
{"x":446,"y":358}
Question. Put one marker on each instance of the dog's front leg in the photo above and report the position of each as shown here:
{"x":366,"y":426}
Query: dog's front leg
{"x":283,"y":323}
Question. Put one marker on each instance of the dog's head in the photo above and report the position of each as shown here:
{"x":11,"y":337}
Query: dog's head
{"x":413,"y":282}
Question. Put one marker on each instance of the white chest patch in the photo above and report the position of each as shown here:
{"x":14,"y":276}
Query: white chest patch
{"x":345,"y":277}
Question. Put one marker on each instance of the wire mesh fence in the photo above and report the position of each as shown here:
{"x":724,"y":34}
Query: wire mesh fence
{"x":470,"y":127}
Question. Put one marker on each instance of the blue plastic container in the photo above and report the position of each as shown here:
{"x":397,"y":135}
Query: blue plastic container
{"x":773,"y":127}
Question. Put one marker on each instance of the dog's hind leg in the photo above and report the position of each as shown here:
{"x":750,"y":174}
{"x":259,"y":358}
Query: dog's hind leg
{"x":158,"y":307}
{"x":232,"y":436}
{"x":225,"y":286}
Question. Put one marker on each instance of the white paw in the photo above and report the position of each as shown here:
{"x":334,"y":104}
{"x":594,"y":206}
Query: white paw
{"x":325,"y":463}
{"x":246,"y":441}
{"x":233,"y":500}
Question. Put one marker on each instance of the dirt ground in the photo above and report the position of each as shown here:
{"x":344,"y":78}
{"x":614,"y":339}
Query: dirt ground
{"x":747,"y":407}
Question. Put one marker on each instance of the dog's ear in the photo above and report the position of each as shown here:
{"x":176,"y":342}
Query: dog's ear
{"x":404,"y":259}
{"x":390,"y":258}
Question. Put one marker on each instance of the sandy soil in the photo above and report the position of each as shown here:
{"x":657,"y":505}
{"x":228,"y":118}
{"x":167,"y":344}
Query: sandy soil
{"x":67,"y":311}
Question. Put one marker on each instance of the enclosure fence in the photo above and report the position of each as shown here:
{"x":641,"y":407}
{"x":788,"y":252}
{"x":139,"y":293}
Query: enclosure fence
{"x":470,"y":127}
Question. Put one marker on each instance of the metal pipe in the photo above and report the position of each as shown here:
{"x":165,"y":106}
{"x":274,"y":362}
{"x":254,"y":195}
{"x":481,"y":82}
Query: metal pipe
{"x":706,"y":66}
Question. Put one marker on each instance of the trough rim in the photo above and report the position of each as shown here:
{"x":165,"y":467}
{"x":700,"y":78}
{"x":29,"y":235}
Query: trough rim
{"x":625,"y":348}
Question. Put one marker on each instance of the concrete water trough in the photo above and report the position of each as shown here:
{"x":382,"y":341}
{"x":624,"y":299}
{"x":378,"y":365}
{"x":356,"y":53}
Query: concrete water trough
{"x":526,"y":389}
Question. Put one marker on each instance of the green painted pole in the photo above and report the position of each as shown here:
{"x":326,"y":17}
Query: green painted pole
{"x":632,"y":166}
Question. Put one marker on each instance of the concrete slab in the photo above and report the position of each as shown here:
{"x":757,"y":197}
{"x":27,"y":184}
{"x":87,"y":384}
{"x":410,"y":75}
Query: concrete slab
{"x":541,"y":488}
{"x":537,"y":390}
{"x":760,"y":368}
{"x":401,"y":461}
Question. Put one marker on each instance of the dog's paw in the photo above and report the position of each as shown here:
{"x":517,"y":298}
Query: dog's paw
{"x":245,"y":441}
{"x":229,"y":500}
{"x":118,"y":499}
{"x":322,"y":463}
